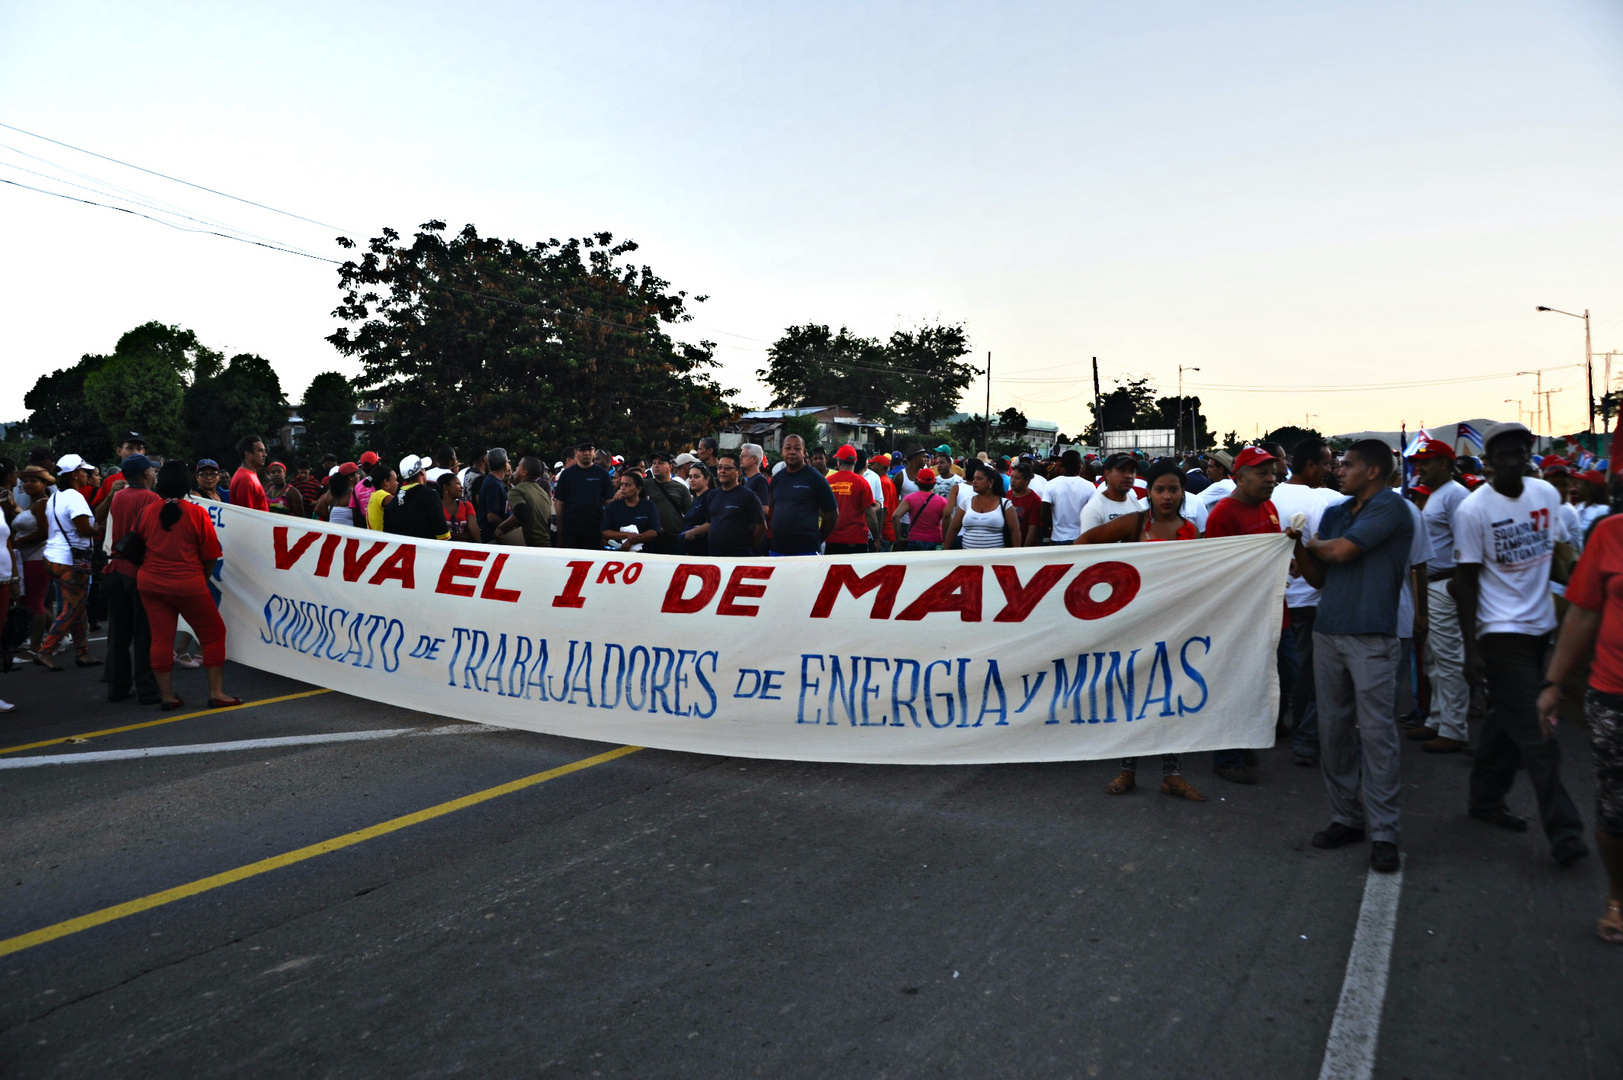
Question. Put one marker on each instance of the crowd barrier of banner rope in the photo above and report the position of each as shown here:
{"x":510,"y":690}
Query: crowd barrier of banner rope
{"x":1032,"y":654}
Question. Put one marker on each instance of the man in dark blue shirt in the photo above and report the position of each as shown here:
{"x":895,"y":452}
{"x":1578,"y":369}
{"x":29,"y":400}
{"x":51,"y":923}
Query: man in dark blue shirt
{"x":493,"y":495}
{"x":733,"y":521}
{"x":803,"y":510}
{"x":578,"y":499}
{"x":1358,"y":560}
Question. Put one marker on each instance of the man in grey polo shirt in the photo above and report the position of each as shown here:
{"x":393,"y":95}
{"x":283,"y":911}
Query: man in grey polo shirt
{"x":1358,"y":561}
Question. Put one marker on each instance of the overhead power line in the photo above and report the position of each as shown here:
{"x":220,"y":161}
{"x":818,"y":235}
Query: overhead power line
{"x":173,"y":179}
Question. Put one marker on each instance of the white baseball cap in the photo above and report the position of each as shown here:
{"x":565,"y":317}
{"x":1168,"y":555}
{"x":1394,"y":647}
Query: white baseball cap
{"x":411,"y":465}
{"x":71,"y":462}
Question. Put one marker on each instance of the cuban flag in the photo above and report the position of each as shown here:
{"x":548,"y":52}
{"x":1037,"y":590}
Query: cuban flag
{"x":1468,"y":434}
{"x":1410,"y":449}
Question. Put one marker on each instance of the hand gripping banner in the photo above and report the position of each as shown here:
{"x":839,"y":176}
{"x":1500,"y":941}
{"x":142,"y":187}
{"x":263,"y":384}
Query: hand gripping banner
{"x":1032,"y":654}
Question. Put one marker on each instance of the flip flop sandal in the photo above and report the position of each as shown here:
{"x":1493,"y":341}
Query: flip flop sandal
{"x":1610,"y":927}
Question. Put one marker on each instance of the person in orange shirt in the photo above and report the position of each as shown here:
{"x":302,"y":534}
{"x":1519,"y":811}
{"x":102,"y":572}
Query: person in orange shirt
{"x":887,"y":535}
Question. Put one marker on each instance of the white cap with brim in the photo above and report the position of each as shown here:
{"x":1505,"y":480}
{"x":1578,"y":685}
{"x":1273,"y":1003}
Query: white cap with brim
{"x":411,"y":465}
{"x":70,"y":462}
{"x":1509,"y":427}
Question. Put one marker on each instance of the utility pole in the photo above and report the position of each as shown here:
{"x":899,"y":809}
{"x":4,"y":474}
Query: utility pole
{"x":1549,"y":424}
{"x":1589,"y":357}
{"x":988,"y":446}
{"x":1606,"y":388}
{"x":1098,"y":416}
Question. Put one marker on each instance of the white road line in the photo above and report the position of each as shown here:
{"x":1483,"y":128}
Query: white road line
{"x":1349,"y":1054}
{"x":244,"y":744}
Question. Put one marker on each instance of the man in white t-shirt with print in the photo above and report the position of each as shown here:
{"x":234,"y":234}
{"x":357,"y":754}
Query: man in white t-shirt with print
{"x":1445,"y":729}
{"x":1504,"y":541}
{"x":1304,"y":493}
{"x":1067,"y":495}
{"x":1116,"y":498}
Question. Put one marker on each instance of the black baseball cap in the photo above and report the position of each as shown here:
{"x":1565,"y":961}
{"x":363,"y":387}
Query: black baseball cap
{"x":131,"y":437}
{"x":661,"y":455}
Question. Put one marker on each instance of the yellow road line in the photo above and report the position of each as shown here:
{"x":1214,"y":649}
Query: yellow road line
{"x":276,"y":862}
{"x":163,"y":720}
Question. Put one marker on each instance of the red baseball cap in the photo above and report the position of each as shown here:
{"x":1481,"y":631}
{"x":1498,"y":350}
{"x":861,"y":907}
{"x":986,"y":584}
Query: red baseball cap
{"x":846,"y":453}
{"x":1594,"y":476}
{"x":1433,"y":448}
{"x":1420,"y":489}
{"x":927,"y":476}
{"x":1252,"y":455}
{"x":368,"y":460}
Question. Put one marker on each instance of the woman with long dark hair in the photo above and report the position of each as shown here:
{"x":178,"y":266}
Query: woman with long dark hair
{"x":1161,"y":521}
{"x":181,"y":549}
{"x":70,"y":533}
{"x":986,"y":519}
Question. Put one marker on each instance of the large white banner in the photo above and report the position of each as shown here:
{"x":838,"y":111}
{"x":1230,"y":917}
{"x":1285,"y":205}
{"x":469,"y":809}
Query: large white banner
{"x":1035,"y":654}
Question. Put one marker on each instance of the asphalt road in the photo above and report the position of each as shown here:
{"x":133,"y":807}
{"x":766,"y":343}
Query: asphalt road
{"x":664,"y":914}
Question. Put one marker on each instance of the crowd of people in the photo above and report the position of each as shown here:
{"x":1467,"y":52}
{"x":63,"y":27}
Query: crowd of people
{"x":1420,"y":605}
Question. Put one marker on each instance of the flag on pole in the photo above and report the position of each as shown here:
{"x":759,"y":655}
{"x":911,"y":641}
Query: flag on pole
{"x":1468,"y":434}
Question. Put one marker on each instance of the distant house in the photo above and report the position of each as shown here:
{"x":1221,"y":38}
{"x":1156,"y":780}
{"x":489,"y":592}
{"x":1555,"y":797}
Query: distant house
{"x":1040,"y":434}
{"x":837,"y":424}
{"x":287,"y":436}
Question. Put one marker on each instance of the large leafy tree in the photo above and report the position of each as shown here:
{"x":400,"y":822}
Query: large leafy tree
{"x":915,"y":376}
{"x":329,"y":412}
{"x":929,"y":371}
{"x":1131,"y":404}
{"x":245,"y":398}
{"x":488,"y":342}
{"x":61,"y":417}
{"x":139,"y":393}
{"x":813,"y":365}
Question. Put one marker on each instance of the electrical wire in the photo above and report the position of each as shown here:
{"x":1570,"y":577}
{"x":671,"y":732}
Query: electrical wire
{"x":174,"y":179}
{"x":171,"y":224}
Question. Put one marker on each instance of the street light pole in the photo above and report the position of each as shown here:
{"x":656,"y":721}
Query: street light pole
{"x":1518,"y":402}
{"x":1589,"y":358}
{"x":1192,"y":420}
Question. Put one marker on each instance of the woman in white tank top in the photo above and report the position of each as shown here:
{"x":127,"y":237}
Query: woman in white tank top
{"x":980,"y":523}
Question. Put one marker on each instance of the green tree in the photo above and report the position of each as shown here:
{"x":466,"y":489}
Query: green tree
{"x":245,"y":398}
{"x":480,"y":341}
{"x":172,"y":345}
{"x":807,"y":427}
{"x":329,"y":413}
{"x":136,"y":393}
{"x":1289,"y":435}
{"x":915,"y":377}
{"x":812,"y":365}
{"x":928,"y":375}
{"x":1130,"y":405}
{"x":60,"y":416}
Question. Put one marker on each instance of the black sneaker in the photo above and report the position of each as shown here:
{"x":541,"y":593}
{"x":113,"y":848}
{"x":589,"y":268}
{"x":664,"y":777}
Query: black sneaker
{"x":1239,"y":774}
{"x":1500,"y":816}
{"x":1568,"y":849}
{"x":1383,"y":857}
{"x":1337,"y":835}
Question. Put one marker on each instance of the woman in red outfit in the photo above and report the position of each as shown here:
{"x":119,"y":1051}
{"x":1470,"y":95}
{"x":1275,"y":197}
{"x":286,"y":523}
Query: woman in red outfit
{"x":1162,"y":521}
{"x":181,"y":548}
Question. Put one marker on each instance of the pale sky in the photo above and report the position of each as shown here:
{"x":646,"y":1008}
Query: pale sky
{"x":1294,"y":197}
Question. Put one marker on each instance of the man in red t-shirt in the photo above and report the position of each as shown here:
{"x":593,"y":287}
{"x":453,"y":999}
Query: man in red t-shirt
{"x":887,"y":486}
{"x":859,"y":514}
{"x":246,"y":490}
{"x":1246,"y":511}
{"x":129,"y":445}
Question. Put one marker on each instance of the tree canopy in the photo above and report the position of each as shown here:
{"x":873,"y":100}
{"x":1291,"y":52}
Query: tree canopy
{"x":914,"y":376}
{"x":245,"y":398}
{"x":1133,"y":404}
{"x":487,"y":342}
{"x":328,"y":412}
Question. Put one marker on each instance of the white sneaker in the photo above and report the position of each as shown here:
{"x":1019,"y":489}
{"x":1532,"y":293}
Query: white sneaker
{"x":187,"y":662}
{"x":6,"y":706}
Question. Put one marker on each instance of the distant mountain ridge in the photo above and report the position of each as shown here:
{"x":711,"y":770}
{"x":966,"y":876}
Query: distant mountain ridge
{"x":1440,"y":431}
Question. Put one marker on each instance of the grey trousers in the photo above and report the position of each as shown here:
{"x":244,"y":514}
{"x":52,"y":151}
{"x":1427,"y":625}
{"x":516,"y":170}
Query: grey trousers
{"x":1355,"y":677}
